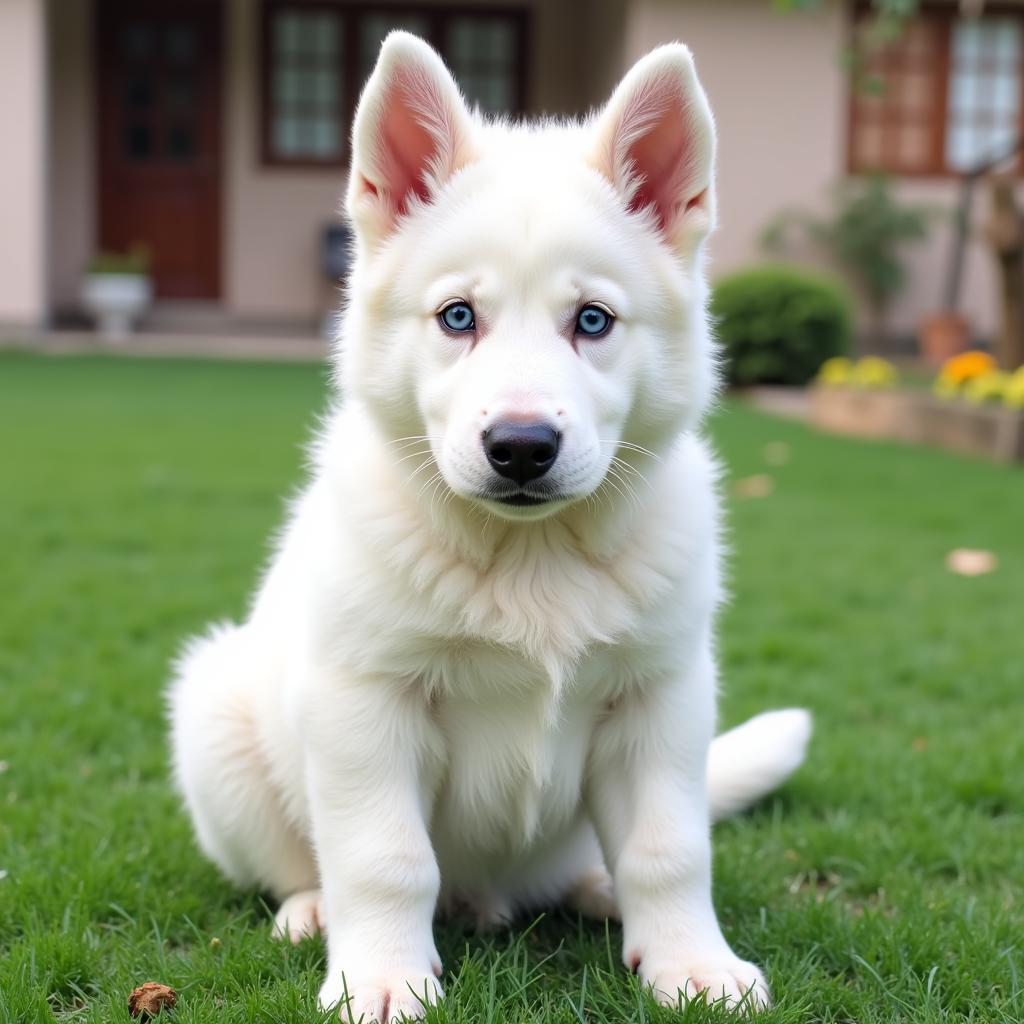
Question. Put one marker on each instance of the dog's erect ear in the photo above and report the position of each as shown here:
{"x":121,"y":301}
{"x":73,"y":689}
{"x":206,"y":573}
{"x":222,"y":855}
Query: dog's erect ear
{"x":655,"y":141}
{"x":411,"y":132}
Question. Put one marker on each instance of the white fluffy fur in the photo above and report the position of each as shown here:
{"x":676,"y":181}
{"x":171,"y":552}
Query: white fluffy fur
{"x":441,"y":701}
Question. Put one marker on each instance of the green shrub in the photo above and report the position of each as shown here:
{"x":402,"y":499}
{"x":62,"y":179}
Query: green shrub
{"x":777,"y":325}
{"x":134,"y":261}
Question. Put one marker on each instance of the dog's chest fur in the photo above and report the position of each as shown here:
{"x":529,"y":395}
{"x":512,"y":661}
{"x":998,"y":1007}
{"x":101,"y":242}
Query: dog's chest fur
{"x":520,"y":650}
{"x":514,"y":759}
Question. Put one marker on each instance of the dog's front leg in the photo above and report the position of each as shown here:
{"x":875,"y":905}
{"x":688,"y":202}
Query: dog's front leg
{"x":372,"y":767}
{"x":647,"y":793}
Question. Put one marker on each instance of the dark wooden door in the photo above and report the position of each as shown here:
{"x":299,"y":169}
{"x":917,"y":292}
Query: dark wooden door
{"x":159,"y":77}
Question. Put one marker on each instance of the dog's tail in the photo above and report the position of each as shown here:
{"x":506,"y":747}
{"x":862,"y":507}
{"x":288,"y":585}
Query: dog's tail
{"x":749,"y":761}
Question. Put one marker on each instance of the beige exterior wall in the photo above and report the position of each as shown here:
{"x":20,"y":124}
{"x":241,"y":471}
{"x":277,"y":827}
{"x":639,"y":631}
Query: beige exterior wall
{"x":777,"y":92}
{"x":776,"y":85}
{"x":23,"y":293}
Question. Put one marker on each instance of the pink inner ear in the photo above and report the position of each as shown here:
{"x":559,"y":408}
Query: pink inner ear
{"x":660,"y":157}
{"x":407,"y":151}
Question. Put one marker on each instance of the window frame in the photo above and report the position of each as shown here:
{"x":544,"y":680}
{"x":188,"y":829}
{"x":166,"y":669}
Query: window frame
{"x":944,"y":16}
{"x":351,"y":14}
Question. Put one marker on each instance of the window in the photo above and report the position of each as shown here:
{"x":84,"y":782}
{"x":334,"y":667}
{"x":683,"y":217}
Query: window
{"x":318,"y":54}
{"x":983,"y":120}
{"x":306,"y":88}
{"x":943,"y":98}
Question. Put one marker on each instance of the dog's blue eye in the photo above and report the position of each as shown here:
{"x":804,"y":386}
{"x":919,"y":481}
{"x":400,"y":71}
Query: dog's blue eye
{"x":458,"y":317}
{"x":593,"y":321}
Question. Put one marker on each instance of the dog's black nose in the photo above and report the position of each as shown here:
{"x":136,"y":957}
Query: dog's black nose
{"x":521,"y":451}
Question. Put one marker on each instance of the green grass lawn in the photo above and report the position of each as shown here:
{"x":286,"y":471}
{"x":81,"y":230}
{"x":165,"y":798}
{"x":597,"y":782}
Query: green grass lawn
{"x":884,"y":883}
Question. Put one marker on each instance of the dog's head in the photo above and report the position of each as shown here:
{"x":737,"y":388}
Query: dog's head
{"x":528,"y":301}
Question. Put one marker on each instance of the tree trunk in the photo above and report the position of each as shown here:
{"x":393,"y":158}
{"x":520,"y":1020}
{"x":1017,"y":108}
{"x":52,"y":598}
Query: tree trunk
{"x":1006,"y":235}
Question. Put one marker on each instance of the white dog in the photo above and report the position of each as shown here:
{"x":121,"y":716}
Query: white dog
{"x":481,"y":669}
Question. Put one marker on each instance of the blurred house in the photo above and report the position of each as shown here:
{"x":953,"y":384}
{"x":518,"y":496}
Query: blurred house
{"x":214,"y":132}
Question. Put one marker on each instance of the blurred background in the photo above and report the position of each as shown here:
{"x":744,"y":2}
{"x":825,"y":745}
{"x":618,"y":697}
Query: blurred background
{"x":202,"y":144}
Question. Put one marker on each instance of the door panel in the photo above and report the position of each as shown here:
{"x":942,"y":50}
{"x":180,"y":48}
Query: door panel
{"x":159,"y":78}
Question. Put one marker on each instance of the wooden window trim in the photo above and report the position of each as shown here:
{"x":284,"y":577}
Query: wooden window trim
{"x":351,"y":15}
{"x":944,"y":16}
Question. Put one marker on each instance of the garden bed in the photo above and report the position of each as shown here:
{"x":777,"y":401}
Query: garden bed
{"x":991,"y":431}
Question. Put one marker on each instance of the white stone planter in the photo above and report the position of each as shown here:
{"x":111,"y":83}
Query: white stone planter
{"x":116,"y":301}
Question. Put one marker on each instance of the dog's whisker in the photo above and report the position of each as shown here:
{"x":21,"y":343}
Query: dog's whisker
{"x":419,"y":469}
{"x":430,"y":480}
{"x":412,"y":455}
{"x":614,"y":480}
{"x":629,"y":496}
{"x":631,"y":447}
{"x":624,"y":462}
{"x":627,"y":482}
{"x":438,"y":490}
{"x":610,"y":483}
{"x":639,"y":448}
{"x":628,"y":467}
{"x":411,"y":438}
{"x":422,"y":446}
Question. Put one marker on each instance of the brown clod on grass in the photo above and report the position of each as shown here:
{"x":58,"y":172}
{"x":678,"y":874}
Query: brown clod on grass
{"x":149,"y":999}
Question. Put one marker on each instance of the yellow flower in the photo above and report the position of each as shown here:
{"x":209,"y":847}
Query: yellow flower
{"x":966,"y":366}
{"x":988,"y":387}
{"x":945,"y":388}
{"x":836,"y":370}
{"x":1013,"y":392}
{"x":875,"y":372}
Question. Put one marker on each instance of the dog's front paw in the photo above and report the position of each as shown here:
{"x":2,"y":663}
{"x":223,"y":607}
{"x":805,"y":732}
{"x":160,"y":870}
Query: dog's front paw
{"x":400,"y":995}
{"x":735,"y":983}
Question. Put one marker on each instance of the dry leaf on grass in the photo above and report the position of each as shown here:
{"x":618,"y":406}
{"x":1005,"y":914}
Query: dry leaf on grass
{"x":760,"y":485}
{"x":149,"y":999}
{"x":971,"y":562}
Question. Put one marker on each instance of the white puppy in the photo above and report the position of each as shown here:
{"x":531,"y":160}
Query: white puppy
{"x":481,"y":667}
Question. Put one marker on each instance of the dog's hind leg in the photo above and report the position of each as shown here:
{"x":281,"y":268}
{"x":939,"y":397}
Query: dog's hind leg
{"x":240,"y":814}
{"x":591,"y":891}
{"x":593,"y":894}
{"x":300,"y":916}
{"x":572,"y":872}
